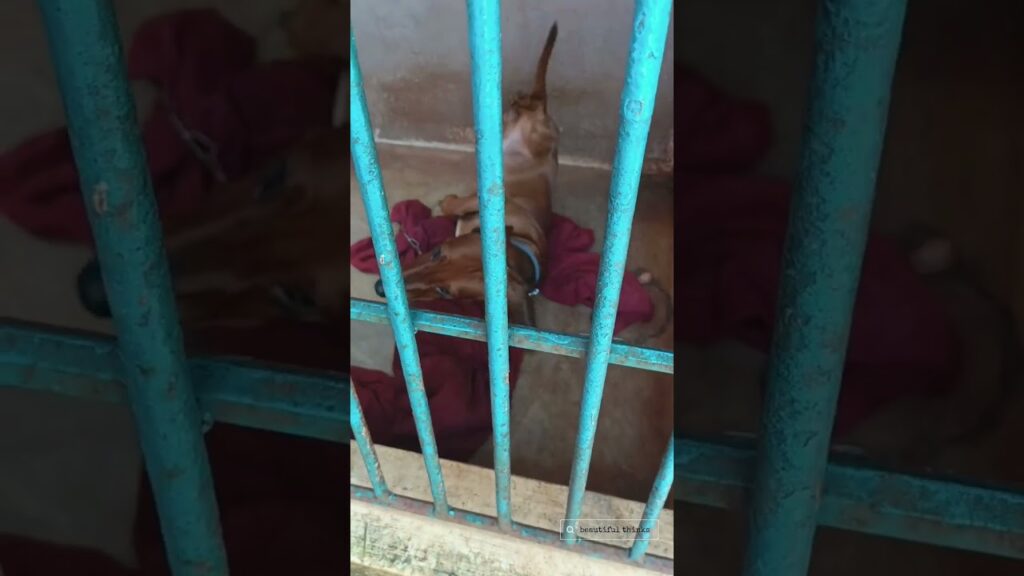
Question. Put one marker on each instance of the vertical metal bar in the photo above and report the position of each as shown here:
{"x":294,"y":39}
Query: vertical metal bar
{"x":485,"y":52}
{"x":655,"y":502}
{"x":365,"y":443}
{"x":86,"y":51}
{"x":367,"y":169}
{"x":857,"y":47}
{"x":650,"y":29}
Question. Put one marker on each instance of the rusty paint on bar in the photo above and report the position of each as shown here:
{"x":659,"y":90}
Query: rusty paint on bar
{"x":646,"y":50}
{"x":485,"y":55}
{"x":653,"y":359}
{"x":856,"y":50}
{"x":367,"y":169}
{"x":86,"y":51}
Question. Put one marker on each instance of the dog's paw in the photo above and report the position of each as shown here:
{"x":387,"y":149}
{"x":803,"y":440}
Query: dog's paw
{"x":447,"y":204}
{"x":643,"y":276}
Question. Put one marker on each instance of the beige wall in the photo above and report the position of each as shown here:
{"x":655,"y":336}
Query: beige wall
{"x":415,"y":61}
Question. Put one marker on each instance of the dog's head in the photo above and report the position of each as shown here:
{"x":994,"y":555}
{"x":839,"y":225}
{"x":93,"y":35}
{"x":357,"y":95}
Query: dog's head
{"x":262,"y":248}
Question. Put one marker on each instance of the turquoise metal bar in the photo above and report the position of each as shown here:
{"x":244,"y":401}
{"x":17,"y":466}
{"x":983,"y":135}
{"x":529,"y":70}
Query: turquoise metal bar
{"x":366,"y":448}
{"x":655,"y":503}
{"x":485,"y":54}
{"x":857,"y":47}
{"x":86,"y":51}
{"x":61,"y":361}
{"x":524,"y":337}
{"x":930,"y":510}
{"x":367,"y":169}
{"x":647,"y":48}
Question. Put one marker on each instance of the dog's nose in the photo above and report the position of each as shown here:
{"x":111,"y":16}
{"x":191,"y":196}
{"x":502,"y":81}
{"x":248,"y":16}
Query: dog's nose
{"x":378,"y":287}
{"x":91,"y":292}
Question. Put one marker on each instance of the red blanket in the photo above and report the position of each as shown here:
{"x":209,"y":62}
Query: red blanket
{"x":206,"y":68}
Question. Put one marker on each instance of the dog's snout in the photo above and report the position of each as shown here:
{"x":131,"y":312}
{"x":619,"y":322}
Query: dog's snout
{"x":378,"y":287}
{"x":91,"y":292}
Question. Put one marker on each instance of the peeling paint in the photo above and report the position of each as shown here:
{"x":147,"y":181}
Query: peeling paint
{"x":114,"y":177}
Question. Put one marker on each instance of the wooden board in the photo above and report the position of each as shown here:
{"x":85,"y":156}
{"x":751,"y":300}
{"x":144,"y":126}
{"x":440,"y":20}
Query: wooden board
{"x":534,"y":503}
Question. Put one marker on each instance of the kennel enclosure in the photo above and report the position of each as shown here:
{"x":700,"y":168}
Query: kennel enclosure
{"x":794,"y":486}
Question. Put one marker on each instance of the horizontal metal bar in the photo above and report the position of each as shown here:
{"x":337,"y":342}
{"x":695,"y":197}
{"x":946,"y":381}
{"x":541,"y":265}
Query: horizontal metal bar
{"x":589,"y":548}
{"x":522,"y":337}
{"x":38,"y":357}
{"x":371,"y":188}
{"x":485,"y":57}
{"x":936,"y":511}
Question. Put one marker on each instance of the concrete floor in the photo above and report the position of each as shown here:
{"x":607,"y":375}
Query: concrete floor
{"x":636,"y":417}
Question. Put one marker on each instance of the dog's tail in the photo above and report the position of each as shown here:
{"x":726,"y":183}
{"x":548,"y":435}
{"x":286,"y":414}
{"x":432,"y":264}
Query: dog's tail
{"x":540,"y":80}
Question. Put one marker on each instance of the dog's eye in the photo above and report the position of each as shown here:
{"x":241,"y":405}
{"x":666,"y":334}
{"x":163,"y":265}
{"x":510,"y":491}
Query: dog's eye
{"x":443,"y":292}
{"x":436,"y":255}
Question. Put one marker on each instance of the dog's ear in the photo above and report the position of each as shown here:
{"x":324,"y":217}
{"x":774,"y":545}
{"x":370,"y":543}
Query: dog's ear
{"x":508,"y":231}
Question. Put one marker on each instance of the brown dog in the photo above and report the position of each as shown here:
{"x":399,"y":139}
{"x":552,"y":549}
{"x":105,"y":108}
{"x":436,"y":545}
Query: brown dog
{"x":454,"y":270}
{"x":266,"y":247}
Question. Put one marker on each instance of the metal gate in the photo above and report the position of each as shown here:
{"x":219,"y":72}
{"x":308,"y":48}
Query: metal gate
{"x":795,"y":488}
{"x":647,"y":48}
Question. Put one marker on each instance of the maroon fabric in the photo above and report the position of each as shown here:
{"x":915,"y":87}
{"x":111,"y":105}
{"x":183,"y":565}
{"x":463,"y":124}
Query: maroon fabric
{"x":455,"y":376}
{"x":732,"y":226}
{"x":570,"y":272}
{"x":571,"y":275}
{"x":206,"y":68}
